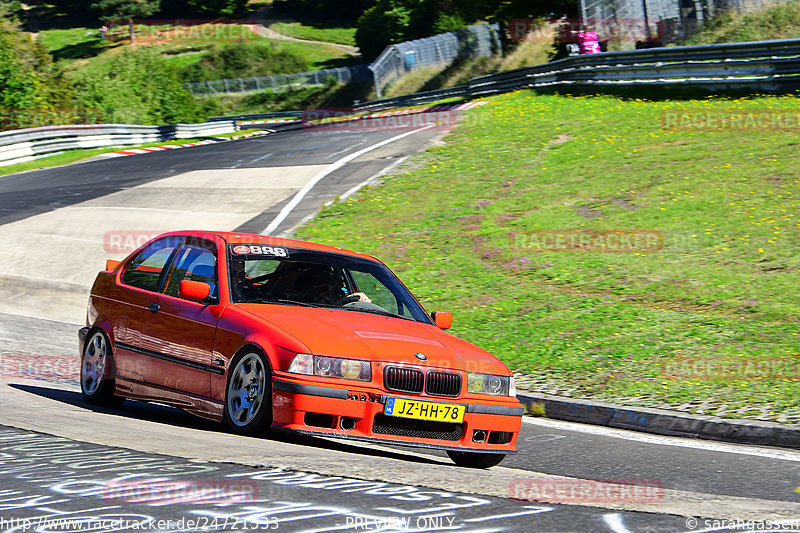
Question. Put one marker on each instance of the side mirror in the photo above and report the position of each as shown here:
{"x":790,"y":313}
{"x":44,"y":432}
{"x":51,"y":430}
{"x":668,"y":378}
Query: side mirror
{"x":442,"y":319}
{"x":195,"y":291}
{"x":111,"y":264}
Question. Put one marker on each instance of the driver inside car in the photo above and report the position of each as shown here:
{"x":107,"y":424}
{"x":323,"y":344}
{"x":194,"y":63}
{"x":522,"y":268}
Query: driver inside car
{"x":312,"y":283}
{"x":325,"y":285}
{"x":239,"y":280}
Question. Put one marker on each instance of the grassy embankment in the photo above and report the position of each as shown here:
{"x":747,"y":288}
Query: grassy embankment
{"x":210,"y":52}
{"x":463,"y":69}
{"x":679,"y":326}
{"x":776,"y":21}
{"x":325,"y":31}
{"x":182,"y":46}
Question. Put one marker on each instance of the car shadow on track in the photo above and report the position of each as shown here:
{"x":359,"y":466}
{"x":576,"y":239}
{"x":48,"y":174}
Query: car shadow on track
{"x":175,"y":417}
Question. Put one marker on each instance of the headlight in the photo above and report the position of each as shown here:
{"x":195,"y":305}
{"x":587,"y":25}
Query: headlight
{"x":490,"y":384}
{"x":334,"y":367}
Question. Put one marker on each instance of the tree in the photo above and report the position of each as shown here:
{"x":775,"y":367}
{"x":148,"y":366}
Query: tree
{"x":127,"y":10}
{"x":385,"y":23}
{"x":320,"y":10}
{"x":27,"y":77}
{"x":216,"y":8}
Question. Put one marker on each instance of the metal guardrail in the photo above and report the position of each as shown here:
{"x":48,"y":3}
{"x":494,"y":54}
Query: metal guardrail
{"x":765,"y":65}
{"x":279,"y":82}
{"x":20,"y":146}
{"x":259,"y":116}
{"x":459,"y":91}
{"x":761,"y":65}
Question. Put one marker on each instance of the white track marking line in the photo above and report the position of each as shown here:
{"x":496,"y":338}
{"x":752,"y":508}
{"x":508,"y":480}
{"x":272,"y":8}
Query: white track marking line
{"x":531,"y":510}
{"x":287,"y":209}
{"x":614,"y":523}
{"x":23,"y":315}
{"x":62,"y":237}
{"x":649,"y":438}
{"x":126,"y":208}
{"x":257,"y":159}
{"x":289,"y":232}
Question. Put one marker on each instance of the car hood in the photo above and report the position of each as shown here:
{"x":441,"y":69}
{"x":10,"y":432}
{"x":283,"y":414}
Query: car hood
{"x":354,"y":334}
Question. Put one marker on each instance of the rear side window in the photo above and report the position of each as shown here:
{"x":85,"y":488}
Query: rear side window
{"x":196,"y":261}
{"x":144,"y":270}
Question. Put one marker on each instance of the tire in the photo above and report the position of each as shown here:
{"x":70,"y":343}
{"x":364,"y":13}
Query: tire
{"x":98,"y":371}
{"x":476,"y":459}
{"x":248,"y":394}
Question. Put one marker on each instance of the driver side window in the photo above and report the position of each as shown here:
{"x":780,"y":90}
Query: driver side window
{"x":376,"y":291}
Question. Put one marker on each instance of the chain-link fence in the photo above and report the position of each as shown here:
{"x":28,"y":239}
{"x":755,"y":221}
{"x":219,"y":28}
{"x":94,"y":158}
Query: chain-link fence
{"x":477,"y":40}
{"x":280,"y":82}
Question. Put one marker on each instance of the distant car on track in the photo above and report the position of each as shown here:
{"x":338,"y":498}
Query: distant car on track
{"x":261,"y":332}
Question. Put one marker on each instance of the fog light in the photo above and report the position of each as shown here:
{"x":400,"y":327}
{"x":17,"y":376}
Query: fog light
{"x":478,"y":435}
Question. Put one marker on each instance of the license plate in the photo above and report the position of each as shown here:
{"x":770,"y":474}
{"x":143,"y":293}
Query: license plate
{"x":441,"y":412}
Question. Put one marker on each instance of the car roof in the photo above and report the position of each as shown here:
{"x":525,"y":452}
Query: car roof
{"x":252,"y":238}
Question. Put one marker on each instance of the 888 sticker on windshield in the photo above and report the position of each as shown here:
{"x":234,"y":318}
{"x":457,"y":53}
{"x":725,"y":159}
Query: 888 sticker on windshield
{"x":255,"y":249}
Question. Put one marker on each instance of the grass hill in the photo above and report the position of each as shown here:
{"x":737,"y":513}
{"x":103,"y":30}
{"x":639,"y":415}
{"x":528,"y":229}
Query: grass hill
{"x":706,"y":319}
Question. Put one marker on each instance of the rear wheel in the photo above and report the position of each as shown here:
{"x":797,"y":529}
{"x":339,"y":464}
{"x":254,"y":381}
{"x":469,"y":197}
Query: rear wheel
{"x":97,"y":372}
{"x":248,"y":395}
{"x":476,"y":459}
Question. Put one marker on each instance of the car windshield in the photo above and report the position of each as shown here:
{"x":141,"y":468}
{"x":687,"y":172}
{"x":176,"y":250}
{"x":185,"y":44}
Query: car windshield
{"x":294,"y":276}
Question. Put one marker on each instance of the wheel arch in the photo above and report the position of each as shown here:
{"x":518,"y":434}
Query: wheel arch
{"x":254,"y":346}
{"x":100,"y":325}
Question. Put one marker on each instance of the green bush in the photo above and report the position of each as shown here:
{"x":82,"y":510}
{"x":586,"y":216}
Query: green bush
{"x":137,"y":87}
{"x":244,"y":60}
{"x":27,"y":76}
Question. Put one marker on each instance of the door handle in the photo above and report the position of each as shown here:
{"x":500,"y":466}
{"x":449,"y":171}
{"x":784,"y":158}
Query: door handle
{"x":154,"y":307}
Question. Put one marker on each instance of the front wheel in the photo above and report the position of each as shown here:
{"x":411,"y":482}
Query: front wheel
{"x":97,"y":372}
{"x":248,"y":395}
{"x":476,"y":459}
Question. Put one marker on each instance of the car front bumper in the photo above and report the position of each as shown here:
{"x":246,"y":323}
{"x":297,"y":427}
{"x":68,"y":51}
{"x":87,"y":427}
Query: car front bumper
{"x":358,"y":413}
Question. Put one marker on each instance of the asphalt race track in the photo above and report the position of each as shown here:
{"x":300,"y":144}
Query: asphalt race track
{"x":67,"y":467}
